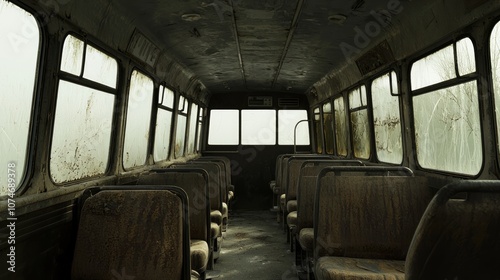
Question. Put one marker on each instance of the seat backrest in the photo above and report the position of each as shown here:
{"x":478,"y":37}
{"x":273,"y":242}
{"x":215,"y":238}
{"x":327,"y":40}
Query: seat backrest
{"x":458,"y":236}
{"x":133,"y":232}
{"x":225,"y":161}
{"x":306,"y":187}
{"x":195,"y":183}
{"x":282,"y":172}
{"x":222,"y":175}
{"x":368,"y":216}
{"x":214,"y":183}
{"x":293,"y":165}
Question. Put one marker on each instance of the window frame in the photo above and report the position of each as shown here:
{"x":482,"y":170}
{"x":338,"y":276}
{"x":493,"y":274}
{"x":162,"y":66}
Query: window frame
{"x":319,"y":145}
{"x":400,"y":97}
{"x":23,"y":179}
{"x":186,"y":106}
{"x":159,"y":106}
{"x":458,"y":80}
{"x":332,"y":124}
{"x":369,"y":115}
{"x":495,"y":23}
{"x":84,"y":82}
{"x":125,"y":118}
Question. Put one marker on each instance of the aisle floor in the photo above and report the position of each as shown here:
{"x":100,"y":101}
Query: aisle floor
{"x":255,"y":247}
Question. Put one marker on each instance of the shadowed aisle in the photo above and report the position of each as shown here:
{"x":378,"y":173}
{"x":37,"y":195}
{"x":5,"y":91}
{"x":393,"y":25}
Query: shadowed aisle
{"x":255,"y":248}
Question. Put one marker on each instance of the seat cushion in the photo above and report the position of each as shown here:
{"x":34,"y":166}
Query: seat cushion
{"x":215,"y":230}
{"x":291,"y":205}
{"x":291,"y":219}
{"x":306,"y":238}
{"x":340,"y":268}
{"x":216,"y":217}
{"x":225,"y":211}
{"x":283,"y":201}
{"x":199,"y":255}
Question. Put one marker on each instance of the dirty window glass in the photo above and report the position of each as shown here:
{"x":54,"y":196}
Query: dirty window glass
{"x":258,"y":127}
{"x":386,"y":119}
{"x":82,"y":132}
{"x":328,"y":127}
{"x":163,"y":123}
{"x":100,"y":67}
{"x":180,"y":133}
{"x":440,"y":65}
{"x":72,"y":55}
{"x":19,"y":42}
{"x":495,"y":72}
{"x":340,"y":126}
{"x":447,"y":120}
{"x":192,"y":127}
{"x":360,"y":128}
{"x":318,"y":132}
{"x":200,"y":125}
{"x":287,"y":120}
{"x":83,"y":117}
{"x":140,"y":100}
{"x":224,"y":127}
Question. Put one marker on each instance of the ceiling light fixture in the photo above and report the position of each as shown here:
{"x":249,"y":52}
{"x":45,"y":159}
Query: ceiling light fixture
{"x":338,"y":19}
{"x":191,"y":17}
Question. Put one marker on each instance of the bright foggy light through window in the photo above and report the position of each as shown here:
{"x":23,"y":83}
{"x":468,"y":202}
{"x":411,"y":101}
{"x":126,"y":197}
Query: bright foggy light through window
{"x":258,"y":127}
{"x":19,"y":43}
{"x":287,"y":120}
{"x":224,"y":127}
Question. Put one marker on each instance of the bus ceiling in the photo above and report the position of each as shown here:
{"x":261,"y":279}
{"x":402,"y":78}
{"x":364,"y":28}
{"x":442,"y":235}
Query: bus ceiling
{"x":298,"y":46}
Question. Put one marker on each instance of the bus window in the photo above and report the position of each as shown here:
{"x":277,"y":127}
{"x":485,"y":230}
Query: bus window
{"x":193,"y":115}
{"x":447,"y":125}
{"x":495,"y":72}
{"x":340,"y":126}
{"x":163,"y":123}
{"x":287,"y":120}
{"x":224,"y":127}
{"x":386,"y":119}
{"x":140,"y":100}
{"x":180,"y":132}
{"x":360,"y":127}
{"x":258,"y":127}
{"x":80,"y":147}
{"x":201,"y":116}
{"x":318,"y":132}
{"x":328,"y":127}
{"x":19,"y":58}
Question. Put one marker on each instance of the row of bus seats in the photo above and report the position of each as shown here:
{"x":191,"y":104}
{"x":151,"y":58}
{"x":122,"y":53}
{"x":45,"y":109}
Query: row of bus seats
{"x":382,"y":222}
{"x":169,"y":225}
{"x":287,"y":174}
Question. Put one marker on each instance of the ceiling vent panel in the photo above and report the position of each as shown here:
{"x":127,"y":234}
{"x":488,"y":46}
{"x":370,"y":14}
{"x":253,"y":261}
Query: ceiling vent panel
{"x":288,"y":102}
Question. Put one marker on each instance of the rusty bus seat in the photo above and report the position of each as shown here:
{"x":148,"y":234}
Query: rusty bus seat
{"x":195,"y":183}
{"x":227,"y":165}
{"x":457,"y":237}
{"x":215,"y":200}
{"x":293,"y":165}
{"x":306,"y":190}
{"x":139,"y":231}
{"x":215,"y":190}
{"x":364,"y":220}
{"x":221,"y":177}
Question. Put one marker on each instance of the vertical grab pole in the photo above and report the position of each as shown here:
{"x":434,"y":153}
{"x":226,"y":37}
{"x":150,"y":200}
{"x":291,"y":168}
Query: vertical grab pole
{"x":295,"y":135}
